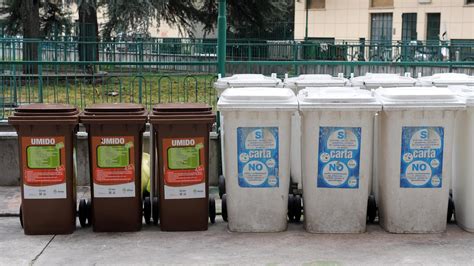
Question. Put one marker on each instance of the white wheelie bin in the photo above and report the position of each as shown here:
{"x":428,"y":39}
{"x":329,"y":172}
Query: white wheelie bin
{"x":296,"y":84}
{"x":337,"y":138}
{"x":463,"y":170}
{"x":446,"y":79}
{"x":257,"y":157}
{"x":374,"y":81}
{"x":415,"y":157}
{"x":240,"y":81}
{"x":377,"y":80}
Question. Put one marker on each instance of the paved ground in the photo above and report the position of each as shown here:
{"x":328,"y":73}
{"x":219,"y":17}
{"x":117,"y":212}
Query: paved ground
{"x":218,"y":246}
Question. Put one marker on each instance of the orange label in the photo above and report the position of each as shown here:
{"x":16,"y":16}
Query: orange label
{"x":183,"y":161}
{"x":113,"y":160}
{"x":44,"y":160}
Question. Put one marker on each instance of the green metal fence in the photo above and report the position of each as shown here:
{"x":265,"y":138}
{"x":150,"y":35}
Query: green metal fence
{"x":183,"y":70}
{"x":205,"y":50}
{"x":82,"y":89}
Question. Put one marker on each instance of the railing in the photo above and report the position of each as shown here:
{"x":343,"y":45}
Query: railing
{"x":205,"y":50}
{"x":83,"y":89}
{"x":183,"y":70}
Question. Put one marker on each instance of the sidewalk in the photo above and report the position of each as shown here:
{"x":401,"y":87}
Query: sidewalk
{"x":219,"y":246}
{"x":10,"y":199}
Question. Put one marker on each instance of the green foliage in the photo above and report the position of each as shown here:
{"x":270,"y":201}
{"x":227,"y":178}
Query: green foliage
{"x":53,"y":18}
{"x":251,"y":18}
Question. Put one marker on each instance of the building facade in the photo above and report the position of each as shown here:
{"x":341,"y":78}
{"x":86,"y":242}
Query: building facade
{"x":385,"y":20}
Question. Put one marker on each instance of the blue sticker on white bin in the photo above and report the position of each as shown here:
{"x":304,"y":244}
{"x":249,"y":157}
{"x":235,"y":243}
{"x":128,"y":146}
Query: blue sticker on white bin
{"x":339,"y":157}
{"x":257,"y":155}
{"x":422,"y":157}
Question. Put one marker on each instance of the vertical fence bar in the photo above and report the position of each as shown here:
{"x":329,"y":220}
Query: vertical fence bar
{"x":40,"y":73}
{"x":222,"y":36}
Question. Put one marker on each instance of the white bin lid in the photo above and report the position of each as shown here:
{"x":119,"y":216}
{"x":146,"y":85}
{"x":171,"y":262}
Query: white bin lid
{"x":337,"y":98}
{"x":465,"y":92}
{"x":247,"y":80}
{"x":315,"y":80}
{"x":376,"y":80}
{"x":446,"y":79}
{"x":418,"y":97}
{"x":258,"y":99}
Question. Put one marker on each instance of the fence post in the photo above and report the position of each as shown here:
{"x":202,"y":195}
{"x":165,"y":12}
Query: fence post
{"x":222,"y":38}
{"x":40,"y":72}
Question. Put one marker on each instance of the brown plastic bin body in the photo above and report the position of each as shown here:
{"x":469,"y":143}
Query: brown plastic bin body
{"x":46,"y":137}
{"x":181,"y":133}
{"x":115,"y":154}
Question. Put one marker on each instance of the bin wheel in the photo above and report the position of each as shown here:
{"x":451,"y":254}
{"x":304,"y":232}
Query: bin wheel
{"x":450,"y":208}
{"x":156,"y":211}
{"x":82,"y":213}
{"x":221,"y":186}
{"x":297,"y":208}
{"x":147,"y":210}
{"x":21,"y":216}
{"x":291,"y":204}
{"x":212,"y":210}
{"x":89,"y":212}
{"x":224,"y":207}
{"x":145,"y":194}
{"x":371,"y":209}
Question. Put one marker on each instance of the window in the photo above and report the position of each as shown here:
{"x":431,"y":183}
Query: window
{"x":381,"y":27}
{"x":381,"y":3}
{"x":433,"y":26}
{"x":409,"y":26}
{"x":316,"y":4}
{"x":468,"y":2}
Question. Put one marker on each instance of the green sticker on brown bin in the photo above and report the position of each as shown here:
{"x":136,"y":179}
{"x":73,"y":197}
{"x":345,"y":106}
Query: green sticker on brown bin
{"x":113,"y":156}
{"x":43,"y":157}
{"x":183,"y":158}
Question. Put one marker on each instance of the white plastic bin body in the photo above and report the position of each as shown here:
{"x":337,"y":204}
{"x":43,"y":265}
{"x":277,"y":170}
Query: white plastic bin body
{"x":337,"y":136}
{"x":297,"y":84}
{"x":242,"y":81}
{"x":463,"y":170}
{"x":446,"y":79}
{"x":257,"y":157}
{"x":377,"y":80}
{"x":443,"y":80}
{"x":371,"y":81}
{"x":415,"y":158}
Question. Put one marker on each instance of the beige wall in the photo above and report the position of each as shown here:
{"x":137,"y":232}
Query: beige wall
{"x":164,"y":30}
{"x":350,"y":19}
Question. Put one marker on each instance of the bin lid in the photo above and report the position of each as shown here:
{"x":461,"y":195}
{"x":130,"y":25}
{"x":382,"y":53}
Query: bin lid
{"x":376,"y":80}
{"x":41,"y":108}
{"x":315,"y":80}
{"x":114,"y":113}
{"x":247,"y":80}
{"x":257,"y":99}
{"x":102,"y":108}
{"x":44,"y":114}
{"x":446,"y":79}
{"x":182,"y":108}
{"x":338,"y":98}
{"x":418,"y":97}
{"x":465,"y":92}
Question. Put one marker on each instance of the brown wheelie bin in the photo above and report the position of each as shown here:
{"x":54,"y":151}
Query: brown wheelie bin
{"x":181,"y":133}
{"x":115,"y":155}
{"x":46,"y":137}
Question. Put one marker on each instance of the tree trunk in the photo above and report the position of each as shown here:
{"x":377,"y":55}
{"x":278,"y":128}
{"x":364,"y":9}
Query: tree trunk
{"x":31,"y":30}
{"x":88,"y":35}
